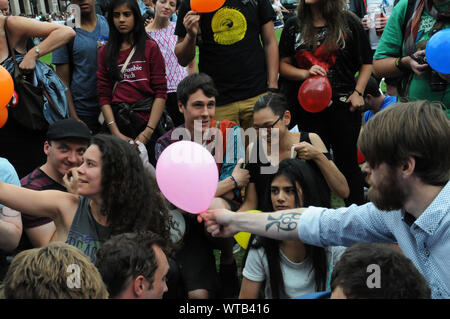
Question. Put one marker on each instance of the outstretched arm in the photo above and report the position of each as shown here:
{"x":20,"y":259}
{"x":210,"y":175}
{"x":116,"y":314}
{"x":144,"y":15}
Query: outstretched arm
{"x":281,"y":225}
{"x":47,"y":203}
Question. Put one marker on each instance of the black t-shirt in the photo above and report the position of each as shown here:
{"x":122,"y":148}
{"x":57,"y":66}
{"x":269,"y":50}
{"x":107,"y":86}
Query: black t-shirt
{"x":262,"y":178}
{"x":230,"y":49}
{"x":348,"y":60}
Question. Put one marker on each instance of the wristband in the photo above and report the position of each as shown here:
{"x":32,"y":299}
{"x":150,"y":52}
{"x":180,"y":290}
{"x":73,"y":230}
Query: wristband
{"x":359,"y":93}
{"x":150,"y":127}
{"x":234,"y":181}
{"x":273,"y":90}
{"x":399,"y":66}
{"x":110,"y":123}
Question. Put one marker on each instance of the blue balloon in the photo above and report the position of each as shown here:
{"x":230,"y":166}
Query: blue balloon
{"x":437,"y":51}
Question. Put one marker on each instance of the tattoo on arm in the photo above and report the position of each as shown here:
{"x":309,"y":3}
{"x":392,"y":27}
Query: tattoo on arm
{"x":5,"y":215}
{"x":286,"y":221}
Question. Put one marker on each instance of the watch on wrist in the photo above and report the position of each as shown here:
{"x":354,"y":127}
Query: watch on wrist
{"x":37,"y":51}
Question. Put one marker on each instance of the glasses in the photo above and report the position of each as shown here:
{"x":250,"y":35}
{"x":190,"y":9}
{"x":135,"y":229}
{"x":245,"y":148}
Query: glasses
{"x":270,"y":127}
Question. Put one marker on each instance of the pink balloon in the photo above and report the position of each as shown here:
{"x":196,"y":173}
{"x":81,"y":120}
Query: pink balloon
{"x":187,"y":176}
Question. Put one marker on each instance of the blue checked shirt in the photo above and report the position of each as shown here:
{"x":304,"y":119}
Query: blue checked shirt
{"x":426,"y":241}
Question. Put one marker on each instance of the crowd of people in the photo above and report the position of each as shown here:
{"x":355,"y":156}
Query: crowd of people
{"x":84,"y":191}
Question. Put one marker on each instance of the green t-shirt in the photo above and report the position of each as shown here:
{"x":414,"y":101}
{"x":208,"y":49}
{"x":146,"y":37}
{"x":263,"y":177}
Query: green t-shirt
{"x":391,"y":45}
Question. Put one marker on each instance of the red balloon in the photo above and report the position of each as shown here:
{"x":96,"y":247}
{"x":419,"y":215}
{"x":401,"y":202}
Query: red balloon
{"x":314,"y":94}
{"x":361,"y":158}
{"x":7,"y":87}
{"x":3,"y":115}
{"x":206,"y":5}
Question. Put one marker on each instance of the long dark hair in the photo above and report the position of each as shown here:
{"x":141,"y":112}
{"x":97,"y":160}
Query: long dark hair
{"x":131,"y":199}
{"x":333,"y":12}
{"x":299,"y":172}
{"x":139,"y":36}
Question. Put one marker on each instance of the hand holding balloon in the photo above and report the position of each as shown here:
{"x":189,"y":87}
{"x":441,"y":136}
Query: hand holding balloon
{"x":317,"y":70}
{"x":191,"y":23}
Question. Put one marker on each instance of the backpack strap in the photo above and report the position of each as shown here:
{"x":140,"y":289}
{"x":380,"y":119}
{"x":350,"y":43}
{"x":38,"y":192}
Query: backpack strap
{"x":409,"y":13}
{"x":70,"y":52}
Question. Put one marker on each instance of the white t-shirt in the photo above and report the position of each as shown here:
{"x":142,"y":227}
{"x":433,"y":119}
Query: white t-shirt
{"x":298,"y":277}
{"x":373,"y":7}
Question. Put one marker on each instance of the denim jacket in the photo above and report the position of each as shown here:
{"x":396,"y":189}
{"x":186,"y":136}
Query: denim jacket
{"x":52,"y":83}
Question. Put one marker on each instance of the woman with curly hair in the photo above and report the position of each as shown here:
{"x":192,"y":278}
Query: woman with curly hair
{"x":325,"y":39}
{"x":115,"y":195}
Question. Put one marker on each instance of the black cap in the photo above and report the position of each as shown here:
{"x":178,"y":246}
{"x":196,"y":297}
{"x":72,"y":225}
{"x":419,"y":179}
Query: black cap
{"x":68,"y":128}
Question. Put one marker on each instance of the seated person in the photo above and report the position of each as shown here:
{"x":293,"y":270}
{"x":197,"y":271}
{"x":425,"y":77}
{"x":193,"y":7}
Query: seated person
{"x":275,"y":142}
{"x":374,"y":271}
{"x":375,"y":100}
{"x":66,"y":142}
{"x":56,"y":271}
{"x":196,"y":95}
{"x":134,"y":266}
{"x":289,"y":268}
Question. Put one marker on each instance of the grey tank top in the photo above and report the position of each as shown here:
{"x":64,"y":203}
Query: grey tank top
{"x":85,"y":233}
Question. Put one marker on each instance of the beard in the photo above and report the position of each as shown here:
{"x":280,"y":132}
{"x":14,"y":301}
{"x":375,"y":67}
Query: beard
{"x":389,"y":194}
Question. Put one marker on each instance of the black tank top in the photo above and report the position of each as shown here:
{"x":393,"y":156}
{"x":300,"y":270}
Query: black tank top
{"x":262,"y":171}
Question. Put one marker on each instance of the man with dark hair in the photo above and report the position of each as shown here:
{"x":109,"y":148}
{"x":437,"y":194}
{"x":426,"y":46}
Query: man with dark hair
{"x":238,"y":49}
{"x":367,"y":271}
{"x":76,"y":65}
{"x":67,"y":140}
{"x":374,"y":271}
{"x":134,"y":266}
{"x":375,"y":100}
{"x":407,"y":150}
{"x":196,"y":95}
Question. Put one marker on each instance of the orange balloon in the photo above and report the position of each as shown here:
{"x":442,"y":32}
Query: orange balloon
{"x":7,"y":87}
{"x":3,"y":116}
{"x":206,"y":5}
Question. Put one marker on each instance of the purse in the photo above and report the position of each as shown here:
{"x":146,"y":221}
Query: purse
{"x":130,"y":123}
{"x":29,"y":111}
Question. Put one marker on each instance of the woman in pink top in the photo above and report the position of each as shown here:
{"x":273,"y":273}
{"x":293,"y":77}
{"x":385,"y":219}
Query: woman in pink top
{"x":162,"y":31}
{"x":143,"y":80}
